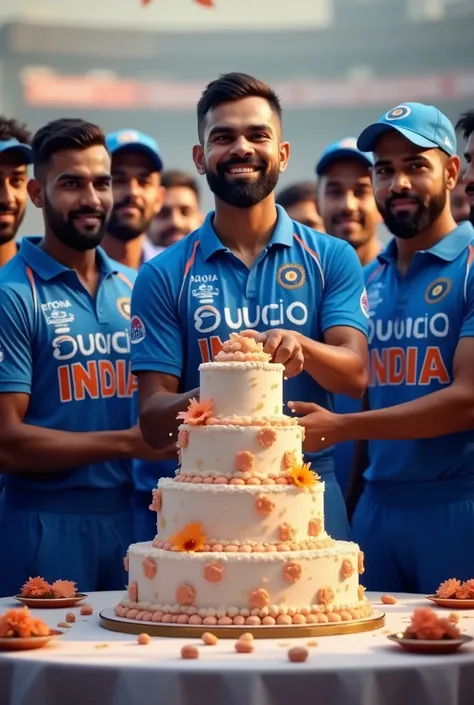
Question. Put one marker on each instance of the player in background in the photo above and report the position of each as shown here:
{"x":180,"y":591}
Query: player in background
{"x":138,"y":195}
{"x":465,"y":125}
{"x":66,"y":390}
{"x":347,"y":206}
{"x":299,"y":201}
{"x":250,"y":267}
{"x":460,"y":206}
{"x":414,"y":490}
{"x":15,"y":155}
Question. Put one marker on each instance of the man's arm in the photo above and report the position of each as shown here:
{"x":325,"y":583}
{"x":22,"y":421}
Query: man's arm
{"x":27,"y":448}
{"x":160,"y":404}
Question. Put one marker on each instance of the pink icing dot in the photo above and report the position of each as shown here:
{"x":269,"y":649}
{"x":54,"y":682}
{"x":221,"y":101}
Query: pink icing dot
{"x":231,"y":549}
{"x":273,"y":611}
{"x":168,"y":617}
{"x":312,"y":618}
{"x":195,"y":619}
{"x":333,"y":617}
{"x":174,"y":618}
{"x":239,"y":620}
{"x":221,"y":480}
{"x":244,"y":461}
{"x":217,"y":548}
{"x":284,"y":619}
{"x":208,"y":481}
{"x":299,"y":619}
{"x":268,"y":621}
{"x":267,"y":481}
{"x":254,"y":481}
{"x":206,"y":548}
{"x":183,"y":619}
{"x":271,"y":548}
{"x":147,"y":616}
{"x":281,"y":481}
{"x":294,"y":547}
{"x":167,"y":546}
{"x":245,"y":548}
{"x":149,"y":568}
{"x":253,"y":621}
{"x":157,"y":616}
{"x":224,"y":621}
{"x":197,"y":480}
{"x":131,"y":614}
{"x":209,"y":620}
{"x":345,"y":615}
{"x":354,"y":614}
{"x":237,"y":481}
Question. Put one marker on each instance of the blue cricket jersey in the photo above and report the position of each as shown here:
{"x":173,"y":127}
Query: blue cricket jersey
{"x":415,"y":324}
{"x":70,"y":354}
{"x":188,"y":300}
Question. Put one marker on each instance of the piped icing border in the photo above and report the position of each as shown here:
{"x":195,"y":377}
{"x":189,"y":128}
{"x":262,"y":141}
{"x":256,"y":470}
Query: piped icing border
{"x":236,"y":365}
{"x":253,"y":547}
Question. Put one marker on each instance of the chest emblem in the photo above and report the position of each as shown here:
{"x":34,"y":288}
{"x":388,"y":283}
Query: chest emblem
{"x":291,"y":276}
{"x":123,"y":305}
{"x":437,"y":290}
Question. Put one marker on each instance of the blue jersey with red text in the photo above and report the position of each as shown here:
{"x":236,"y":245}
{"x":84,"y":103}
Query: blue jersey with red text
{"x":70,"y":354}
{"x":415,"y":325}
{"x":190,"y":298}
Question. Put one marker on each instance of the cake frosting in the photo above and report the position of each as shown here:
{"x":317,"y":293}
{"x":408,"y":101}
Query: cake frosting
{"x":240,"y":528}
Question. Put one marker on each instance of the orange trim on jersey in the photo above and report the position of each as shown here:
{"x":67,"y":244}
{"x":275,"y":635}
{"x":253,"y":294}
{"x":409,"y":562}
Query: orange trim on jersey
{"x":190,"y":261}
{"x":470,"y":255}
{"x":374,"y":273}
{"x":305,"y":247}
{"x":124,"y":279}
{"x":31,"y":279}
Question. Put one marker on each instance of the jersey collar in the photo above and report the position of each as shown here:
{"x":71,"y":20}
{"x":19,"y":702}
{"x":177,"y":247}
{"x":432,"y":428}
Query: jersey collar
{"x":210,"y":243}
{"x":47,"y":268}
{"x":446,"y":249}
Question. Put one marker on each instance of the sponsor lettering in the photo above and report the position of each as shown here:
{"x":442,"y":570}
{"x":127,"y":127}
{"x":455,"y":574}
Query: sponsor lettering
{"x":420,"y":328}
{"x":208,"y":318}
{"x":410,"y":366}
{"x":96,"y":379}
{"x":66,"y":347}
{"x":203,"y":278}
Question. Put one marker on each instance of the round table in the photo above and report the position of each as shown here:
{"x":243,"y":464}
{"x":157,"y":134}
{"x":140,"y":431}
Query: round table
{"x":89,"y":665}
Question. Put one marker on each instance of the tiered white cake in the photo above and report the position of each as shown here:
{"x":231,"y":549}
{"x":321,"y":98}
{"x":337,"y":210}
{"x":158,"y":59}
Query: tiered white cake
{"x":241,"y":536}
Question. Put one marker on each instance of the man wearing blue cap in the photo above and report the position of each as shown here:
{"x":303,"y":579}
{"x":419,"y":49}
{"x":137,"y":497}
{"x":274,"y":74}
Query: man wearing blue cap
{"x":347,"y":206}
{"x":15,"y":155}
{"x":138,"y":195}
{"x":415,"y":516}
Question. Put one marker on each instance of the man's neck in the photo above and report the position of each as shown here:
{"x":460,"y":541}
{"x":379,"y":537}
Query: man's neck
{"x":7,"y":252}
{"x":128,"y":253}
{"x":406,"y":249}
{"x":369,"y":250}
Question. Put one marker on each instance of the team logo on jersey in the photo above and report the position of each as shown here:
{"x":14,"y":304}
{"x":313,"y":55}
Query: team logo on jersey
{"x":205,"y":293}
{"x":398,"y":113}
{"x":364,"y":303}
{"x":57,"y":314}
{"x":291,"y":276}
{"x":437,"y":290}
{"x":123,"y":305}
{"x":137,"y":330}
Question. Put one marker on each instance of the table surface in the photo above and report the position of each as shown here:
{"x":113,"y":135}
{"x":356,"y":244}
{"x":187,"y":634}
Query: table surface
{"x":89,"y":665}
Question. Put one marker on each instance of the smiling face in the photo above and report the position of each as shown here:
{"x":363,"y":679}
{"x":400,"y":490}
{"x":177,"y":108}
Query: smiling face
{"x":13,"y":193}
{"x":468,"y":176}
{"x":242,"y":154}
{"x":411,"y":184}
{"x":76,"y":196}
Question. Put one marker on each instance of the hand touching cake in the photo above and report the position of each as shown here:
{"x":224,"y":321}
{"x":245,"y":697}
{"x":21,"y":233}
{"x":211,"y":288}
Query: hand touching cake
{"x":241,"y":537}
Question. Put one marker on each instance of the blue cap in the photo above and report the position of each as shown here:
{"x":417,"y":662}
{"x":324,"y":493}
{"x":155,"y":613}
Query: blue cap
{"x":342,"y":149}
{"x":133,"y":140}
{"x":423,"y":125}
{"x":14,"y":144}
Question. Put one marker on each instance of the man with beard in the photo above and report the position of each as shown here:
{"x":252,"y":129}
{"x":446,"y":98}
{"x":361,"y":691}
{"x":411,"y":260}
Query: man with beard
{"x":180,"y":213}
{"x":460,"y":206}
{"x":415,"y":516}
{"x":66,"y":391}
{"x":15,"y":155}
{"x":299,"y":201}
{"x":250,"y":267}
{"x":138,"y":195}
{"x":465,"y":125}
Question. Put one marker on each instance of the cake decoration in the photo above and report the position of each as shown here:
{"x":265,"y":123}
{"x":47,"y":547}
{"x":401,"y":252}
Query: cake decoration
{"x":286,"y":532}
{"x":191,"y":538}
{"x":315,"y":527}
{"x":185,"y":595}
{"x":292,"y":572}
{"x":347,"y":569}
{"x":426,"y":625}
{"x":244,"y":461}
{"x":132,"y":591}
{"x":183,"y":439}
{"x":156,"y":501}
{"x":213,"y":572}
{"x":64,"y":588}
{"x":197,"y":412}
{"x":126,"y":563}
{"x":240,"y":348}
{"x":149,"y":568}
{"x":360,"y":563}
{"x":325,"y":596}
{"x":302,"y":476}
{"x":259,"y":598}
{"x":36,"y":587}
{"x":454,"y":589}
{"x":267,"y":437}
{"x":289,"y":459}
{"x":264,"y":505}
{"x":361,"y":592}
{"x":19,"y":623}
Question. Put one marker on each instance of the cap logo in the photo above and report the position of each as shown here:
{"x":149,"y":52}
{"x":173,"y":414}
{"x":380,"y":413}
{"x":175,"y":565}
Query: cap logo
{"x":398,"y":113}
{"x":447,"y":142}
{"x":127,"y":136}
{"x":348,"y":143}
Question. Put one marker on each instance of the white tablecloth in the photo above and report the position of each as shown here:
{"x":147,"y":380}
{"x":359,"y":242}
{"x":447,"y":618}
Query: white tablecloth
{"x":92,"y":666}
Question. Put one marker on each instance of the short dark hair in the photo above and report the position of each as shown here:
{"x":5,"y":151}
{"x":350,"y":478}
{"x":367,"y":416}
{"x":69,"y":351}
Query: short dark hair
{"x":465,"y":124}
{"x":173,"y":178}
{"x":65,"y":133}
{"x":12,"y":129}
{"x":234,"y":86}
{"x":297,"y":193}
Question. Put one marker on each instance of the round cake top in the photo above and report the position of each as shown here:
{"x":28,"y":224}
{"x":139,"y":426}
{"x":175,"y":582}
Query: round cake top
{"x":240,"y":348}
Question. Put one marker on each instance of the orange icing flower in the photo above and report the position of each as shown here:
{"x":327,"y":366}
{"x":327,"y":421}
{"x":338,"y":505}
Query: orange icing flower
{"x":185,"y":595}
{"x":361,"y":592}
{"x":191,"y":538}
{"x":289,"y":459}
{"x":302,"y":476}
{"x":259,"y":599}
{"x":244,"y":461}
{"x":133,"y":591}
{"x":347,"y":569}
{"x":156,"y":501}
{"x":36,"y":587}
{"x":240,"y":348}
{"x":292,"y":572}
{"x":149,"y":568}
{"x":197,"y":412}
{"x":20,"y":623}
{"x":183,"y":439}
{"x":325,"y":596}
{"x":425,"y":624}
{"x":267,"y":437}
{"x":463,"y":593}
{"x":470,"y":585}
{"x":126,"y":562}
{"x":448,"y":588}
{"x":360,"y":563}
{"x":287,"y":533}
{"x":213,"y":572}
{"x":64,"y":588}
{"x":264,"y":505}
{"x":315,"y":526}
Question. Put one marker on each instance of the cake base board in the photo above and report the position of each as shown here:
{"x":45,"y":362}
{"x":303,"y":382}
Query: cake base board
{"x":110,"y":621}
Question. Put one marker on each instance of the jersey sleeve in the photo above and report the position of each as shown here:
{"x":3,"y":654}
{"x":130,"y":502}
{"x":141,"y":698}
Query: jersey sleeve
{"x":155,"y":332}
{"x":345,"y":298}
{"x":16,"y":361}
{"x":467,"y":326}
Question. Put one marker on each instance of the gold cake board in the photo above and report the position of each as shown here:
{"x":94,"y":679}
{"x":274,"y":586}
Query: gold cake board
{"x":110,"y":621}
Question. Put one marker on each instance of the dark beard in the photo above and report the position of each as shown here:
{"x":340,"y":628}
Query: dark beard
{"x":124,"y":231}
{"x":406,"y":225}
{"x":242,"y":193}
{"x":67,"y":233}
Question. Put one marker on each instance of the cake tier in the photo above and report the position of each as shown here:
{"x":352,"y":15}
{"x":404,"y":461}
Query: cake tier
{"x":222,"y":588}
{"x":259,"y":518}
{"x":240,"y":451}
{"x":251,"y":389}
